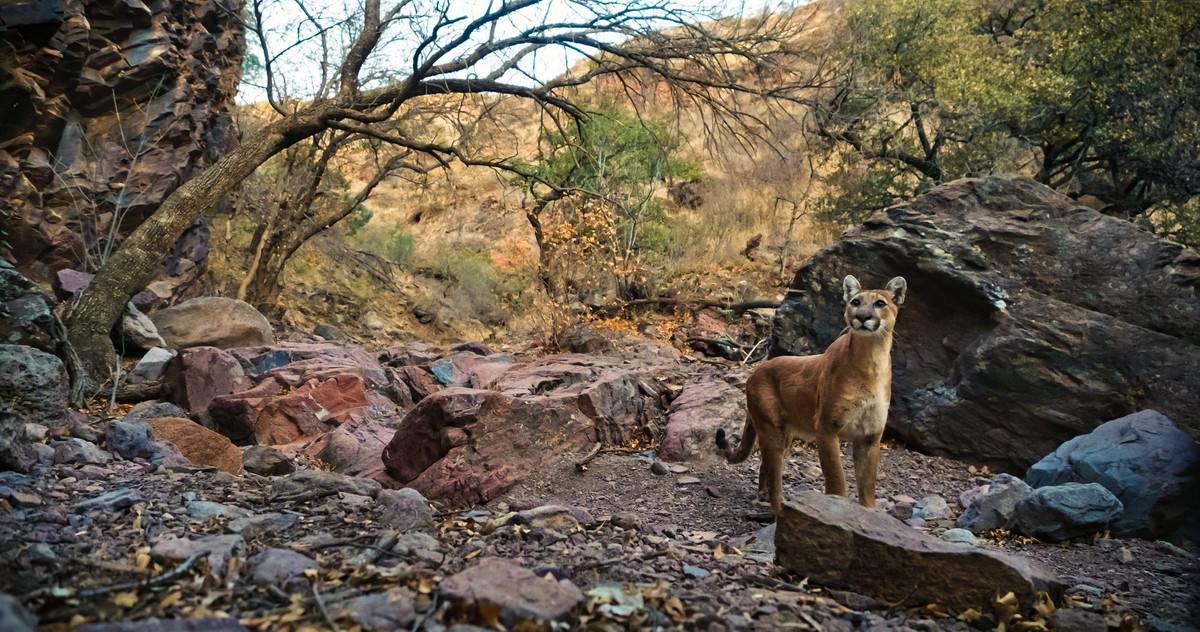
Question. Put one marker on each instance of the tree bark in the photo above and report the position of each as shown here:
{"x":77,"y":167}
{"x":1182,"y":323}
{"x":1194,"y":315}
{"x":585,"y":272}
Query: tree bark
{"x":132,"y":266}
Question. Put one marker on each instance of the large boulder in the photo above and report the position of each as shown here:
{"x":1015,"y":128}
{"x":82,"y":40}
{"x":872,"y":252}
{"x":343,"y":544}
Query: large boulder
{"x":695,"y":416}
{"x":1015,"y":288}
{"x":1143,"y":459}
{"x":838,"y":543}
{"x":212,"y":321}
{"x":1070,"y":510}
{"x":26,"y":312}
{"x":464,"y":446}
{"x":33,"y":389}
{"x":33,"y":385}
{"x":269,"y":415}
{"x":198,"y":444}
{"x":197,"y":376}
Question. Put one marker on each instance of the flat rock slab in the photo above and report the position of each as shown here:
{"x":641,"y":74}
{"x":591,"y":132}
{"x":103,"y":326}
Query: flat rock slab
{"x":308,"y":485}
{"x":840,"y":544}
{"x":520,"y":595}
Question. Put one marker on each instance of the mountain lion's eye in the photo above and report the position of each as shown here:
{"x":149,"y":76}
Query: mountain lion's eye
{"x":856,"y":302}
{"x":880,"y":304}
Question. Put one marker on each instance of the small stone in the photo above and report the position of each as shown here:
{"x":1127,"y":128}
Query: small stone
{"x":904,"y":498}
{"x":255,"y":525}
{"x":901,"y":510}
{"x":266,"y":461}
{"x":1126,"y":556}
{"x":25,"y":499}
{"x":626,"y":520}
{"x":932,"y":508}
{"x":679,"y":469}
{"x":688,"y":480}
{"x":414,"y":541}
{"x":389,"y":610}
{"x":41,"y":553}
{"x":994,"y":505}
{"x":695,"y":571}
{"x":405,"y":509}
{"x":659,"y":468}
{"x":514,"y":590}
{"x":1076,"y":620}
{"x":217,"y":549}
{"x":960,"y":536}
{"x":114,"y":500}
{"x":279,"y":567}
{"x":75,"y":451}
{"x":203,"y":510}
{"x":151,"y":366}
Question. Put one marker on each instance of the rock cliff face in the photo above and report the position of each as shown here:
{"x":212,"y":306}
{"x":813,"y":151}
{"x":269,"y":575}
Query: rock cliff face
{"x":1029,"y":319}
{"x":108,"y":105}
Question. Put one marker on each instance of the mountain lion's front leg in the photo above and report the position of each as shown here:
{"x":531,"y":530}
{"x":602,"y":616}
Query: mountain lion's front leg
{"x":866,"y":469}
{"x":829,"y":448}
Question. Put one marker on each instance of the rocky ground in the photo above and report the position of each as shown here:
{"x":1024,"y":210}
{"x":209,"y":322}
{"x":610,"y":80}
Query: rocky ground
{"x":632,"y":543}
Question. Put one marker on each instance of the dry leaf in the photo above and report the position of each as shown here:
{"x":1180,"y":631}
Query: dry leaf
{"x":125,"y":599}
{"x":674,"y":609}
{"x":718,"y":553}
{"x":142,"y":560}
{"x":170,"y":600}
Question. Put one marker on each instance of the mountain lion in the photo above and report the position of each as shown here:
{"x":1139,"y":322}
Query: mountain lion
{"x":840,"y":395}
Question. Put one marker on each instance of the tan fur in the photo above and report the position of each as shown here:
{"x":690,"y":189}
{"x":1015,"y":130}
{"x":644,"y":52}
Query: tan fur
{"x":840,"y":395}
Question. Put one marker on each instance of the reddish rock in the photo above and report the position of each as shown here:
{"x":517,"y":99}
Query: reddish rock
{"x":198,"y":444}
{"x":267,"y":416}
{"x":411,"y":354}
{"x":510,"y":438}
{"x":695,"y":416}
{"x":465,"y":446}
{"x":514,"y":591}
{"x":421,"y":440}
{"x":419,"y":380}
{"x":198,"y":375}
{"x":353,"y":450}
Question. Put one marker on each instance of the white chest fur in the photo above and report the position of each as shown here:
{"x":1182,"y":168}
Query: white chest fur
{"x":865,"y":418}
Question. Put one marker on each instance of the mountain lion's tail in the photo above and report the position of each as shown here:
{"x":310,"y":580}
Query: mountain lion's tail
{"x":745,"y":446}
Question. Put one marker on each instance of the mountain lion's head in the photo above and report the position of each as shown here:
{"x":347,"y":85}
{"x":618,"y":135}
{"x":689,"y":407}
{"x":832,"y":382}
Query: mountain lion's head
{"x":871,"y":311}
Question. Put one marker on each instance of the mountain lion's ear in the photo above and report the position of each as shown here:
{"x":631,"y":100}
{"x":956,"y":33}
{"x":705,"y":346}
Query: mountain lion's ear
{"x":850,"y":287}
{"x":898,"y":287}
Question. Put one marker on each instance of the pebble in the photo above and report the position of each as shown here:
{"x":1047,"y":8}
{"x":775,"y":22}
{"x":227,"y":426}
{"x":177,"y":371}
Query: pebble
{"x":695,"y":571}
{"x":659,"y":468}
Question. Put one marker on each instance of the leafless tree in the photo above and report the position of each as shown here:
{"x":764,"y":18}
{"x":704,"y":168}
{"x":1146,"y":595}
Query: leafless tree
{"x":409,"y":53}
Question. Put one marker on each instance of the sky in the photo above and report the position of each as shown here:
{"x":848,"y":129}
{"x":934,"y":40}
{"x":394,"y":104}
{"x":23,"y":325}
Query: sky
{"x":295,"y":41}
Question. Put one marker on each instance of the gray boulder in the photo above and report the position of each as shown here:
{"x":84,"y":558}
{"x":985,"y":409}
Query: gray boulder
{"x":75,"y":451}
{"x":1143,"y":459}
{"x":131,"y":440}
{"x":26,"y":312}
{"x":1066,"y":511}
{"x":138,"y":332}
{"x":1079,"y":313}
{"x":33,"y":386}
{"x":994,"y":506}
{"x":212,"y":321}
{"x":151,"y":366}
{"x":13,"y":616}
